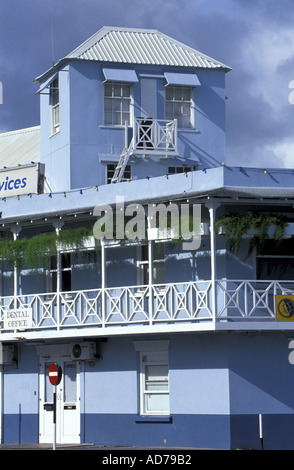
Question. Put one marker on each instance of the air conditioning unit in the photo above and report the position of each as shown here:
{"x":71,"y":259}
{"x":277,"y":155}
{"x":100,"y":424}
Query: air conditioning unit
{"x":7,"y":354}
{"x":84,"y":351}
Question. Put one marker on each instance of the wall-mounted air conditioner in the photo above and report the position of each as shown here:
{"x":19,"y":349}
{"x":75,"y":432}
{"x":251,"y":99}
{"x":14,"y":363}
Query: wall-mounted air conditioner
{"x":84,"y":351}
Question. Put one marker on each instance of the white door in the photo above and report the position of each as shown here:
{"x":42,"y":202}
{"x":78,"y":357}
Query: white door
{"x":67,"y":404}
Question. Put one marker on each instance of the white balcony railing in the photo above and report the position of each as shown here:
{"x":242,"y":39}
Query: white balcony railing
{"x":169,"y":306}
{"x":250,"y":300}
{"x":155,"y":136}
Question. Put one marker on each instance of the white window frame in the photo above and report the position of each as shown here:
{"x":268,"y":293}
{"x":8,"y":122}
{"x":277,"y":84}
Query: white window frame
{"x":110,"y":172}
{"x":65,"y":267}
{"x":178,"y":100}
{"x":174,"y":170}
{"x":147,"y":360}
{"x":118,"y":100}
{"x":54,"y":105}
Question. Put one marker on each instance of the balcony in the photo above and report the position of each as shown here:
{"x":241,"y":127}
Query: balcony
{"x":193,"y":306}
{"x":150,"y":137}
{"x":154,"y":136}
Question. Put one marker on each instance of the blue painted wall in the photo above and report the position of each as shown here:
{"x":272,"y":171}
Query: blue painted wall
{"x":21,"y":399}
{"x":219,"y":384}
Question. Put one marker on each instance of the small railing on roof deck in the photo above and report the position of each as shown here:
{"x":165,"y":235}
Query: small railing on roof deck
{"x":155,"y":136}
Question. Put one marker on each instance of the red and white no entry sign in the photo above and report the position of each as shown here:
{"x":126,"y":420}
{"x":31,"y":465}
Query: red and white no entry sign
{"x":54,"y":373}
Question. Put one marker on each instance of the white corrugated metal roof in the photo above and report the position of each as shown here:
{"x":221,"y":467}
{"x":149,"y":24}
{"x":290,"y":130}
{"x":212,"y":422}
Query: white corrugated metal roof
{"x":20,"y":147}
{"x":139,"y":46}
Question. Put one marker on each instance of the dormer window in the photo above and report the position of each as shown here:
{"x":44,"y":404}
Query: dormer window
{"x":178,"y":105}
{"x":117,"y":103}
{"x":54,"y":103}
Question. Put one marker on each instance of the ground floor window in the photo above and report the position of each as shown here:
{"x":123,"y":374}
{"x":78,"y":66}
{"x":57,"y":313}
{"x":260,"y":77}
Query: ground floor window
{"x":154,"y":379}
{"x":155,"y":389}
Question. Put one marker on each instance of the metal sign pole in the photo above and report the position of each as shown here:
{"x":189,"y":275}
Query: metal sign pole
{"x":54,"y":418}
{"x":260,"y":431}
{"x":55,"y":374}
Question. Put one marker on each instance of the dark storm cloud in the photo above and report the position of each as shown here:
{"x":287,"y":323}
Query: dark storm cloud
{"x":254,"y":37}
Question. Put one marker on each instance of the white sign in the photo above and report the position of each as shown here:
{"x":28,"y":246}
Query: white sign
{"x":20,"y":180}
{"x":18,"y":319}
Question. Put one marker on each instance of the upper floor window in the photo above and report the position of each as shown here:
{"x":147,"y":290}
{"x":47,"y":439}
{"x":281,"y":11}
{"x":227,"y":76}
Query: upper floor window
{"x":110,"y":169}
{"x":178,"y":105}
{"x":117,"y":103}
{"x":54,"y":103}
{"x":173,"y":170}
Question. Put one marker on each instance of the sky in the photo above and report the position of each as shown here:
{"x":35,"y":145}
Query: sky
{"x":253,"y":37}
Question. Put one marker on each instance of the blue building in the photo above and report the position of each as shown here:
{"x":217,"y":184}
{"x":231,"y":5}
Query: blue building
{"x":163,"y":339}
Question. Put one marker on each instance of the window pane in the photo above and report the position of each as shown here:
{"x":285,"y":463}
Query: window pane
{"x":70,"y":383}
{"x":116,"y":105}
{"x":186,"y":109}
{"x":125,"y":117}
{"x":108,"y":104}
{"x":107,"y":90}
{"x":178,"y":93}
{"x":156,"y":372}
{"x":169,"y":110}
{"x":156,"y":387}
{"x":186,"y":94}
{"x":185,"y":122}
{"x":48,"y":387}
{"x":159,"y":403}
{"x":107,"y":118}
{"x":126,"y":91}
{"x":125,"y":105}
{"x":169,"y":93}
{"x":177,"y":110}
{"x":116,"y":90}
{"x":116,"y":119}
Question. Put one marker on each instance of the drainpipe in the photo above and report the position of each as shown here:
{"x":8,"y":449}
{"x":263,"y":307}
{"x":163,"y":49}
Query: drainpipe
{"x":150,"y":279}
{"x":15,"y":231}
{"x":212,"y":207}
{"x":103,"y":280}
{"x":58,"y":226}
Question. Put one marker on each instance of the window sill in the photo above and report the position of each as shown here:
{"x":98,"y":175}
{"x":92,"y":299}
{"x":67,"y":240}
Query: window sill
{"x":183,"y":129}
{"x":113,"y":126}
{"x":54,"y":134}
{"x":154,"y":419}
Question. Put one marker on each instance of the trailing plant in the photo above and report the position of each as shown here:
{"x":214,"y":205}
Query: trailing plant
{"x":35,"y":252}
{"x":12,"y":250}
{"x":39,"y":249}
{"x":254,"y":224}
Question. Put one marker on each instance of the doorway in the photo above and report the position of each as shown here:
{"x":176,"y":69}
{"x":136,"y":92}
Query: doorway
{"x":67,"y":403}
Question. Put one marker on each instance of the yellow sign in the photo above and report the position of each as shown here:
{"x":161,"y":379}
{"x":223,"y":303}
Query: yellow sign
{"x":284,"y":307}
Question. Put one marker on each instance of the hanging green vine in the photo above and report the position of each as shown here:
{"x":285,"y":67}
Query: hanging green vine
{"x":254,"y":224}
{"x":35,"y":252}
